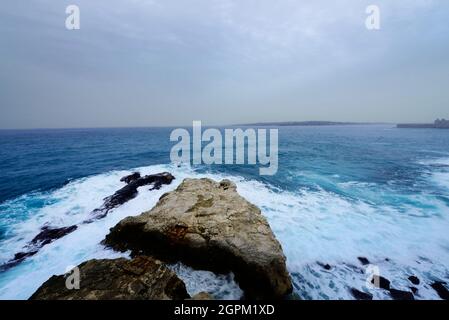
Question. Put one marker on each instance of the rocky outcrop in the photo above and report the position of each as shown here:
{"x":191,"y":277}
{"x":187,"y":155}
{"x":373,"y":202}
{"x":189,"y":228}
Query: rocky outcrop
{"x":129,"y":191}
{"x":46,"y":236}
{"x":208,"y":225}
{"x":49,"y":234}
{"x":142,"y":278}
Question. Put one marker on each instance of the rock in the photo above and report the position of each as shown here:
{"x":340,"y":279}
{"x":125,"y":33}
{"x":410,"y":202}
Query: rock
{"x":414,"y":290}
{"x":325,"y":266}
{"x":401,"y":295}
{"x":129,"y":192}
{"x":131,"y":177}
{"x":142,"y":278}
{"x":363,"y":260}
{"x":208,"y":225}
{"x":202,"y":296}
{"x":414,"y":280}
{"x":360,"y":295}
{"x":49,"y":234}
{"x":381,"y":282}
{"x":46,"y":236}
{"x":442,"y":291}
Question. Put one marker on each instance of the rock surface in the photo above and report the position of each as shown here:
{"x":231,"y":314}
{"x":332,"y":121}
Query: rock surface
{"x":49,"y":234}
{"x":208,"y":225}
{"x":142,"y":278}
{"x":129,"y":191}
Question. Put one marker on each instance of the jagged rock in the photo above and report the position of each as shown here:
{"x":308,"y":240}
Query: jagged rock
{"x":208,"y":225}
{"x":129,"y":192}
{"x":360,"y":295}
{"x":442,"y":291}
{"x":50,"y":234}
{"x":142,"y":278}
{"x":381,"y":282}
{"x":414,"y":280}
{"x":325,"y":266}
{"x":364,"y":261}
{"x":131,"y":177}
{"x":46,"y":236}
{"x":401,"y":295}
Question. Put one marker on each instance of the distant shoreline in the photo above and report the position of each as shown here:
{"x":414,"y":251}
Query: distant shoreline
{"x":311,"y":123}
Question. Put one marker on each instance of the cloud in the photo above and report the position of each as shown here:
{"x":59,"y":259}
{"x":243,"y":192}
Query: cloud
{"x":220,"y":60}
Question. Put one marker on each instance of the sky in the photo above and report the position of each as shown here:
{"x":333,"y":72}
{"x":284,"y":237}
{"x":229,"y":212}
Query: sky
{"x":169,"y":62}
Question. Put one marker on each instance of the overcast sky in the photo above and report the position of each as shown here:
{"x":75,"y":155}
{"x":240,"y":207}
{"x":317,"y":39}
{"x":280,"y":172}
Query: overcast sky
{"x":168,"y":62}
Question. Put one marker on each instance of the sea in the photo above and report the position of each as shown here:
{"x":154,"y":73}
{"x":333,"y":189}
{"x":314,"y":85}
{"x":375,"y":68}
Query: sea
{"x":340,"y":193}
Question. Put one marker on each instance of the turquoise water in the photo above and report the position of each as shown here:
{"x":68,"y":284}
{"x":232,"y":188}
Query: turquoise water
{"x":340,"y":193}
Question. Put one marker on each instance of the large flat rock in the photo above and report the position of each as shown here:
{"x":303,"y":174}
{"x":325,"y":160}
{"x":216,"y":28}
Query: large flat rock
{"x":142,"y":278}
{"x":208,"y":225}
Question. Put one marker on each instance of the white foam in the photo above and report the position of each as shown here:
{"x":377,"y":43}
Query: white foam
{"x":312,"y":226}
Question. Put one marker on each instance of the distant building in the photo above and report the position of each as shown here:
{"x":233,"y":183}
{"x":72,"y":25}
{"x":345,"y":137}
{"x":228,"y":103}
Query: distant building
{"x":438,"y":124}
{"x":443,"y":123}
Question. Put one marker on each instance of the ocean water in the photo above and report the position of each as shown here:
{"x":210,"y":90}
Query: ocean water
{"x":341,"y":192}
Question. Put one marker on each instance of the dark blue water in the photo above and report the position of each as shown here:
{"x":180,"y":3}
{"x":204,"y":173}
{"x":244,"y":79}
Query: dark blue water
{"x":340,"y":192}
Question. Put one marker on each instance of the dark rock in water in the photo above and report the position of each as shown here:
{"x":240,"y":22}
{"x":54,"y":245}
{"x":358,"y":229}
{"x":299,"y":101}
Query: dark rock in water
{"x":414,"y":290}
{"x":208,"y":225}
{"x":360,"y":295}
{"x":131,"y":177}
{"x":442,"y":291}
{"x":142,"y":278}
{"x":381,"y":282}
{"x":46,"y":236}
{"x":324,"y":266}
{"x":401,"y":295}
{"x":414,"y":280}
{"x":49,"y":234}
{"x":129,"y":192}
{"x":363,"y":260}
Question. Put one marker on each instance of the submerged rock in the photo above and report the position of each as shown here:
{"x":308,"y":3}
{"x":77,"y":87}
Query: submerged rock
{"x":442,"y":291}
{"x":50,"y":234}
{"x":360,"y":295}
{"x":401,"y":295}
{"x":364,"y":261}
{"x":142,"y":278}
{"x":46,"y":236}
{"x":129,"y":191}
{"x":208,"y":225}
{"x":414,"y":280}
{"x":131,"y":177}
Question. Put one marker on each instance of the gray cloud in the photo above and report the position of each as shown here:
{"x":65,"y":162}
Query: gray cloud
{"x":167,"y":62}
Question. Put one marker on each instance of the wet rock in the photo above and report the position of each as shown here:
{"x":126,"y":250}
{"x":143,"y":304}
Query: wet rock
{"x":208,"y":225}
{"x":414,"y":290}
{"x":381,"y":282}
{"x":401,"y":295}
{"x":50,"y":234}
{"x":324,"y":266}
{"x":142,"y":278}
{"x":360,"y":295}
{"x":131,"y":177}
{"x":46,"y":236}
{"x":442,"y":291}
{"x":414,"y":280}
{"x":363,"y":260}
{"x":129,"y":192}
